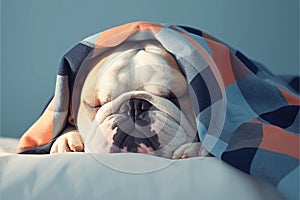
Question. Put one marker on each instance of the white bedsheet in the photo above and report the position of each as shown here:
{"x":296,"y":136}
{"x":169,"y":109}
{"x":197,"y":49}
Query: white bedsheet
{"x":8,"y":145}
{"x":125,"y":176}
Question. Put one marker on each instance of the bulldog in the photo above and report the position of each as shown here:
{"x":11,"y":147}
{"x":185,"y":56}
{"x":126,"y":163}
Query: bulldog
{"x":135,"y":99}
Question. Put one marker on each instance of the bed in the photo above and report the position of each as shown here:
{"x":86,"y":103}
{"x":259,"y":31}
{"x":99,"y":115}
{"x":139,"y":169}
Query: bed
{"x":123,"y":176}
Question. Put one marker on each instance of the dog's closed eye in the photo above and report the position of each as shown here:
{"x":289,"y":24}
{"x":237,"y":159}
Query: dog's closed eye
{"x":92,"y":106}
{"x":173,"y":98}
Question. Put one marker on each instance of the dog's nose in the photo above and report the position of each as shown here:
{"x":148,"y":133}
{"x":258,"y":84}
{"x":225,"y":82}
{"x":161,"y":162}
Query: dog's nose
{"x":137,"y":110}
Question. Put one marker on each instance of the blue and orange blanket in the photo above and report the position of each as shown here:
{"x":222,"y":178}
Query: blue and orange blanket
{"x":245,"y":115}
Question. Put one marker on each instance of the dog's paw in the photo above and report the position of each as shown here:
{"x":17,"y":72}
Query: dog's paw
{"x":189,"y":150}
{"x":68,"y":142}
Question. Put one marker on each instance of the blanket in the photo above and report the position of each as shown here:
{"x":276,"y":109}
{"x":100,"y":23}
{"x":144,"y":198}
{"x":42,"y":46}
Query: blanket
{"x":245,"y":115}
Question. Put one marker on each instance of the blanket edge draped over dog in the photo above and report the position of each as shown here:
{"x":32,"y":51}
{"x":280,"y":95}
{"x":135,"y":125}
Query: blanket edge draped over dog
{"x":245,"y":115}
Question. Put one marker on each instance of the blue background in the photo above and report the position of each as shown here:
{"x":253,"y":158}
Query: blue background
{"x":36,"y":33}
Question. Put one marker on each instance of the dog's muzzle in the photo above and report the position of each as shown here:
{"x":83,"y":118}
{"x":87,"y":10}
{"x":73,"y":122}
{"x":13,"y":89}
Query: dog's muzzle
{"x":135,"y":128}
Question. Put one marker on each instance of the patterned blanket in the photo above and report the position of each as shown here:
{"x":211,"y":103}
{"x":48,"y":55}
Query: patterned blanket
{"x":245,"y":115}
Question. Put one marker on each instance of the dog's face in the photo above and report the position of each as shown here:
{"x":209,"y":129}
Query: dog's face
{"x":136,"y":100}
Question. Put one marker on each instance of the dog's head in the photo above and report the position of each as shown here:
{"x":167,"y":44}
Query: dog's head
{"x":136,"y":100}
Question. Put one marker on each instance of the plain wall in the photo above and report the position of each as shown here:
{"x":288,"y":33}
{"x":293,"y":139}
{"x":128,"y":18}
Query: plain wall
{"x":35,"y":34}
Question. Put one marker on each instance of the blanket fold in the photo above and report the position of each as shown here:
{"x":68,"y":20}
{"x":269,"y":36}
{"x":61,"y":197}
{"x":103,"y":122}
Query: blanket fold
{"x":245,"y":115}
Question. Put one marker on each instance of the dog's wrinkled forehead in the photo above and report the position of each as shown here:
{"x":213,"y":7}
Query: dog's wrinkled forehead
{"x":143,"y":66}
